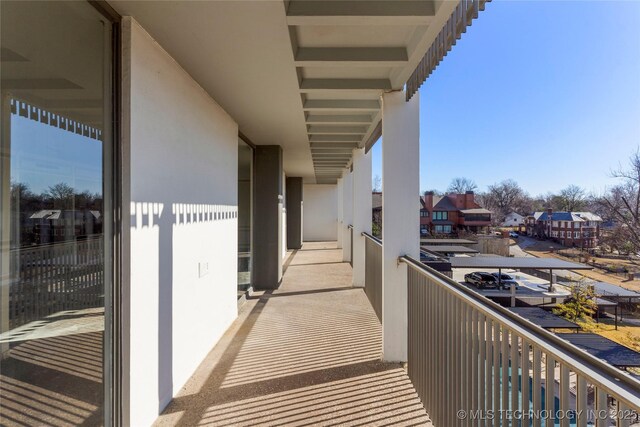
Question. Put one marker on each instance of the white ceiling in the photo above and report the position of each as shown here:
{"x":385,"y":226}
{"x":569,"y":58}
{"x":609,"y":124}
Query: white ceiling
{"x":284,"y":69}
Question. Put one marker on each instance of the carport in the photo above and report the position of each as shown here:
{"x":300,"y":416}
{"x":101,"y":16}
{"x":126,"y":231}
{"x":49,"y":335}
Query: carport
{"x":447,"y":242}
{"x":517,"y":263}
{"x":603,"y":348}
{"x":449,"y":249}
{"x":544,"y":318}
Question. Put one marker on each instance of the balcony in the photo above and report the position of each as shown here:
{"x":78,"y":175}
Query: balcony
{"x":305,"y":354}
{"x":309,"y":354}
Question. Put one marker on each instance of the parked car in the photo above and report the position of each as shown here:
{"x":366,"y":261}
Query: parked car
{"x":505,"y":280}
{"x":481,"y":280}
{"x":513,"y":235}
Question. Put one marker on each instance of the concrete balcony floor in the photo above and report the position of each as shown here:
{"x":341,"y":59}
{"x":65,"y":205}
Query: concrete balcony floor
{"x":305,"y":354}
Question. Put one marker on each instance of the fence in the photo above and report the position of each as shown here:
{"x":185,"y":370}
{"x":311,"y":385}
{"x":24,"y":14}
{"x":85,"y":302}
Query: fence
{"x":51,"y":278}
{"x":373,"y":272}
{"x":472,"y":361}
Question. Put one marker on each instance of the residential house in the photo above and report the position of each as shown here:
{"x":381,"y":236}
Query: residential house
{"x":514,"y":219}
{"x":453,"y":213}
{"x":574,"y":229}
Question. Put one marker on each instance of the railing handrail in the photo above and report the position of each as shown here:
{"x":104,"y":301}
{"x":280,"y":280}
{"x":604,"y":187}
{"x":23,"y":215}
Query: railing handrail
{"x":612,"y":379}
{"x":371,"y":237}
{"x":350,"y":227}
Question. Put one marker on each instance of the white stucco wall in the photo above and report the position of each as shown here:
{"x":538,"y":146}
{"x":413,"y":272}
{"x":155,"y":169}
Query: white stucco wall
{"x":180,"y":177}
{"x":320,"y":213}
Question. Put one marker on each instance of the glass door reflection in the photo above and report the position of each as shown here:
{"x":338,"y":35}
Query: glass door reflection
{"x":55,"y":110}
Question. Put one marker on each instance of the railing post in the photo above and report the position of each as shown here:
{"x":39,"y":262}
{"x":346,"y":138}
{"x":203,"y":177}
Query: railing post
{"x":339,"y":189}
{"x":347,"y":214}
{"x":400,"y":218}
{"x":361,"y":211}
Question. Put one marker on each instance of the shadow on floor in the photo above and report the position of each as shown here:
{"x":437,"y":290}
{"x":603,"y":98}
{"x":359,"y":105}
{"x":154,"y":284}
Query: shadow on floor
{"x":305,"y":354}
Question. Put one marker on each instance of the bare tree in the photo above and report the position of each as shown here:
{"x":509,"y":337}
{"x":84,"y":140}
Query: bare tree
{"x":460,"y":185}
{"x":623,"y":201}
{"x":376,"y":184}
{"x":572,"y":198}
{"x":503,"y":198}
{"x":62,"y":195}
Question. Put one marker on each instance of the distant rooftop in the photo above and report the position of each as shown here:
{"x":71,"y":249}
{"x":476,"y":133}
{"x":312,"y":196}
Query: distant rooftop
{"x":516,"y":263}
{"x":447,"y":242}
{"x":450,"y":249}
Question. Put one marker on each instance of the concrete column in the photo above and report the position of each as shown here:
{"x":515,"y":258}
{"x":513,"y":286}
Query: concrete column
{"x":401,"y":219}
{"x":347,"y":214}
{"x":294,"y":212}
{"x":340,"y":214}
{"x":361,"y":211}
{"x":267,"y":222}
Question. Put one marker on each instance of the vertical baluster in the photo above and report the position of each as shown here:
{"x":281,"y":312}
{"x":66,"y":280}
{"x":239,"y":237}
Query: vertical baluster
{"x":536,"y":390}
{"x":457,"y":354}
{"x":524,"y":380}
{"x":33,"y":283}
{"x":470,"y":356}
{"x":488,"y":363}
{"x":449,"y":359}
{"x":497,"y":342}
{"x":439,"y":357}
{"x":504,"y":380}
{"x":549,"y":388}
{"x":623,"y":417}
{"x":482,"y":349}
{"x":564,"y":395}
{"x":601,"y":408}
{"x":581,"y":401}
{"x":473,"y":364}
{"x":426,"y":333}
{"x":515,"y":374}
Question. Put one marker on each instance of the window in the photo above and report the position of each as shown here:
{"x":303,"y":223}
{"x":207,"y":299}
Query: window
{"x":440,"y":216}
{"x":56,"y":232}
{"x":424,"y":213}
{"x":576,"y":234}
{"x":443,"y":229}
{"x":245,"y":209}
{"x":562,"y":234}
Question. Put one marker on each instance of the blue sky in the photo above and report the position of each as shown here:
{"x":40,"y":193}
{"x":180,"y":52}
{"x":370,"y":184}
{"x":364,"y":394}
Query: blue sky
{"x":544,"y":92}
{"x":43,"y":155}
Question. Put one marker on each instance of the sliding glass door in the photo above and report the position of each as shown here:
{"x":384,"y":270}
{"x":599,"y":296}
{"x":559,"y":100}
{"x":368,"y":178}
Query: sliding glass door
{"x":245,"y":220}
{"x":56,"y":213}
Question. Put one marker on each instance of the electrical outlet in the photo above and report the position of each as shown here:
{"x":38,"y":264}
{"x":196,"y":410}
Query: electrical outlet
{"x":203,"y":269}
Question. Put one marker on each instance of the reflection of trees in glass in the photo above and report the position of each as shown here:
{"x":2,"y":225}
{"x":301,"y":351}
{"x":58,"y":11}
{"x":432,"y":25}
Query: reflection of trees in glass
{"x":58,"y":213}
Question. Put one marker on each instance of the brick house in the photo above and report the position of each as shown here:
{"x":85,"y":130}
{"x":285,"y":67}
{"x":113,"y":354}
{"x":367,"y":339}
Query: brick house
{"x":452,"y":213}
{"x":575,"y":229}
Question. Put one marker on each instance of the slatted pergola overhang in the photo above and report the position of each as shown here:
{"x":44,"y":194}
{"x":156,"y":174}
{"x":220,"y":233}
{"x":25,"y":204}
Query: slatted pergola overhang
{"x":347,"y":53}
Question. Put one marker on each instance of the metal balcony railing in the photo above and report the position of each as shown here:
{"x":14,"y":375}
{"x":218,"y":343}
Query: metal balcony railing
{"x":50,"y":278}
{"x":474,"y":362}
{"x":373,"y":272}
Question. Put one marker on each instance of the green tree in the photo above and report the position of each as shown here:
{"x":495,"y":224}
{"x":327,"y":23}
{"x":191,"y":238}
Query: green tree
{"x":581,"y":305}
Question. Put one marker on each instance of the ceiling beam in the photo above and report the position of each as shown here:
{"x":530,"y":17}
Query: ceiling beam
{"x":337,"y":130}
{"x":359,"y":85}
{"x":340,"y":119}
{"x":351,"y":56}
{"x":341,"y":104}
{"x":358,"y":12}
{"x":336,"y":138}
{"x":332,"y":145}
